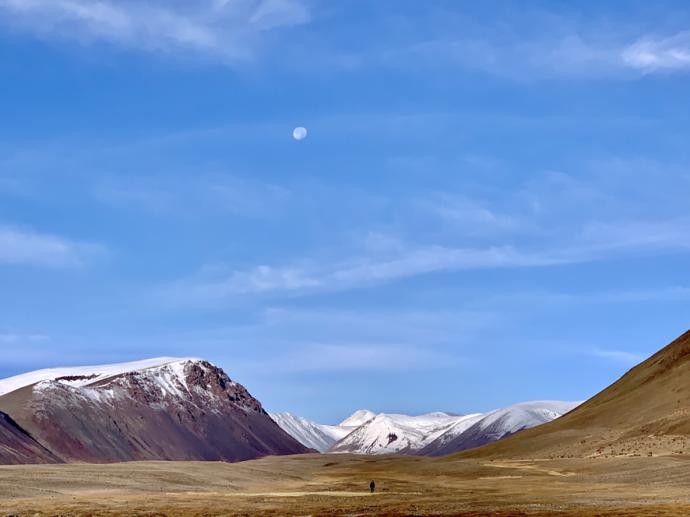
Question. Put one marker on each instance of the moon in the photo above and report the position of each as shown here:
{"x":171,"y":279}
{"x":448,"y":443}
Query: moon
{"x":299,"y":133}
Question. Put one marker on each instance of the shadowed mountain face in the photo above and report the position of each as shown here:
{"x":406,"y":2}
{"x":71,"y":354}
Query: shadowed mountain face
{"x":17,"y":446}
{"x":179,"y":410}
{"x":646,"y":412}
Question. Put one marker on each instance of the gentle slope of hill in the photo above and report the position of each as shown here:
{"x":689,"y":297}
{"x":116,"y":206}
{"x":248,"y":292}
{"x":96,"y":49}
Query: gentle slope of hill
{"x":645,"y":412}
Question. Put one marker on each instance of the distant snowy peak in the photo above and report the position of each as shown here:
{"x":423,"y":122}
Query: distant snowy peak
{"x":496,"y":425}
{"x":456,"y":428}
{"x":388,"y":433}
{"x":357,"y":418}
{"x":380,"y":435}
{"x":435,"y":433}
{"x":316,"y":436}
{"x":78,"y":376}
{"x":527,"y":414}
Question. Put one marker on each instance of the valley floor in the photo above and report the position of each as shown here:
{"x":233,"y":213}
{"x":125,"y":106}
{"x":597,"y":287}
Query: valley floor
{"x":338,"y":485}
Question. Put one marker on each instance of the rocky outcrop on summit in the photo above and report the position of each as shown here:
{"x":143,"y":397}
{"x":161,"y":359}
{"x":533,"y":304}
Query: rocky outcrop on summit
{"x":177,"y":410}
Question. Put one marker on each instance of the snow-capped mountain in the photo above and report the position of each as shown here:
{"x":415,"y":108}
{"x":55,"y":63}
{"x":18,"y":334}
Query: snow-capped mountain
{"x":365,"y":432}
{"x":188,"y":409}
{"x":437,"y":433}
{"x":320,"y":437}
{"x":495,"y":425}
{"x":158,"y":409}
{"x":394,"y":433}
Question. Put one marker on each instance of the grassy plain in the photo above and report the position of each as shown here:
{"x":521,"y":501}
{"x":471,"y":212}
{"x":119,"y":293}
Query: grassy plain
{"x":338,"y":485}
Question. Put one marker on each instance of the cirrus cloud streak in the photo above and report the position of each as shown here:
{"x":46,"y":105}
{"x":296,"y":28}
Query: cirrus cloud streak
{"x":229,"y":30}
{"x":26,"y":247}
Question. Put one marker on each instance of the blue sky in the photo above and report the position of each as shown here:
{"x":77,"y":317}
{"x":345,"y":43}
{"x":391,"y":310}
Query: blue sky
{"x":490,"y":207}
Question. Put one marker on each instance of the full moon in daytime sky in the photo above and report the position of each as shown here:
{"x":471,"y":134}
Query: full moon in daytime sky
{"x":299,"y":133}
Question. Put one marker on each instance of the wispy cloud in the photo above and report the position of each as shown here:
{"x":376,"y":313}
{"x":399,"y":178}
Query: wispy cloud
{"x":401,"y":327}
{"x":471,"y":215}
{"x":641,"y":235}
{"x":594,"y":243}
{"x":231,"y":30}
{"x":258,"y":280}
{"x":223,"y":28}
{"x":566,"y":46}
{"x":659,"y":54}
{"x":25,"y":247}
{"x":661,"y":294}
{"x":316,"y":339}
{"x":325,"y":358}
{"x":620,"y":356}
{"x":633,"y":210}
{"x":212,"y":285}
{"x":515,"y":57}
{"x":506,"y":300}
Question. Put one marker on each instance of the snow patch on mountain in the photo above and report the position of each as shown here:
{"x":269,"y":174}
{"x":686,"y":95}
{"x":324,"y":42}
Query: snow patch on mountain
{"x":78,"y":376}
{"x":320,"y":437}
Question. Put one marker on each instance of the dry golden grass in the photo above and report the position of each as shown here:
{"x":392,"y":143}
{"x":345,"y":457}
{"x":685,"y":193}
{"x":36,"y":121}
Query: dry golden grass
{"x":338,"y":485}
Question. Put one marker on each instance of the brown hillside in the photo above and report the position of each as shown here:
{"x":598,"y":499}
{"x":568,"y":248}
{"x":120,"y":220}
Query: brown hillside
{"x":192,"y":411}
{"x":645,"y":412}
{"x":17,"y":446}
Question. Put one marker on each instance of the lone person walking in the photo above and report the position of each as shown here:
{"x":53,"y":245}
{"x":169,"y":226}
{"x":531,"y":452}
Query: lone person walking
{"x":372,"y":487}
